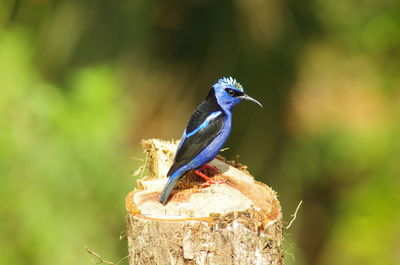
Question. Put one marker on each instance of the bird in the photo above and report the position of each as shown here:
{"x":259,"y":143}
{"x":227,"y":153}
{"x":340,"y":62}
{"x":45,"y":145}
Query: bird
{"x":206,"y":132}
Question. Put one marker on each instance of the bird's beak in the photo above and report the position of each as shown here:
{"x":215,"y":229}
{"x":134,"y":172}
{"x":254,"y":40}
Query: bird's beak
{"x":246,"y":97}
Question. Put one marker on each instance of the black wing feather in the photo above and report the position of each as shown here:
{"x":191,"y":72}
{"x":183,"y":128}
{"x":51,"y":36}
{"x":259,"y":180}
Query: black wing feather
{"x":191,"y":146}
{"x":208,"y":106}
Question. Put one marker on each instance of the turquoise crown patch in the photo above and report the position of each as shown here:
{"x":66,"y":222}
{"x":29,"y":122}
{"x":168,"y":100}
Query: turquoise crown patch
{"x":231,"y":82}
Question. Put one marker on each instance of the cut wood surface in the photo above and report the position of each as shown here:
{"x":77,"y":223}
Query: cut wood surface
{"x":238,"y":222}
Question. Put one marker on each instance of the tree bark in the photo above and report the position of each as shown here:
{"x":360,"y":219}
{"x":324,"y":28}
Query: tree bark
{"x":238,"y":222}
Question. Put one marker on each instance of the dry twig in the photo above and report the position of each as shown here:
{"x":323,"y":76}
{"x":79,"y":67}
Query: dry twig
{"x":294,"y":215}
{"x":101,"y":260}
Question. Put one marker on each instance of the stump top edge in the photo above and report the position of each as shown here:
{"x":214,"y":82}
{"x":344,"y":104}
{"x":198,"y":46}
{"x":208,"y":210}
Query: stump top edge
{"x":240,"y":193}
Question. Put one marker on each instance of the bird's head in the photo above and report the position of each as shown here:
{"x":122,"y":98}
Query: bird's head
{"x":229,"y":92}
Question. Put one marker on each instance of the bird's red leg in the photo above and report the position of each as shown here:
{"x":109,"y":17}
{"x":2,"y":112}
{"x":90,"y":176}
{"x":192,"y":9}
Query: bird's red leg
{"x":209,"y":181}
{"x":201,"y":174}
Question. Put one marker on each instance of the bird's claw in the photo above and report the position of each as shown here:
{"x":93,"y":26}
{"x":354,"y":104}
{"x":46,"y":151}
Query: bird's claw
{"x":210,"y":182}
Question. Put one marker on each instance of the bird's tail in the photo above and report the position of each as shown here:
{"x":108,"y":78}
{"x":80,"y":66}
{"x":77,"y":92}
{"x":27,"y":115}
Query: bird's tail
{"x":173,"y":179}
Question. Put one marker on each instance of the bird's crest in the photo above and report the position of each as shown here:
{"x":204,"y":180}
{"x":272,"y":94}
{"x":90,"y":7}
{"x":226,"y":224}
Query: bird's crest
{"x":231,"y":82}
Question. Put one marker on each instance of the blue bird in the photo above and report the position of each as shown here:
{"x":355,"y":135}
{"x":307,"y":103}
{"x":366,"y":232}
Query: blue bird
{"x":207,"y":131}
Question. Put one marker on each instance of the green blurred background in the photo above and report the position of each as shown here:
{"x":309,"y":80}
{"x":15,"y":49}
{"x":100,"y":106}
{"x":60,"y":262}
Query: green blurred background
{"x":82,"y":82}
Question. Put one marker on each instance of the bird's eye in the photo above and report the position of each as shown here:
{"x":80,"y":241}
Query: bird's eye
{"x":231,"y":92}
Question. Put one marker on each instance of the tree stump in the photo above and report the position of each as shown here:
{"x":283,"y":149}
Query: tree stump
{"x":238,"y":222}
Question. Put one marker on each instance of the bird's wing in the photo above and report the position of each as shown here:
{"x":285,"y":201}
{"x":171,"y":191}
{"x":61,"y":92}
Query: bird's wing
{"x":192,"y":143}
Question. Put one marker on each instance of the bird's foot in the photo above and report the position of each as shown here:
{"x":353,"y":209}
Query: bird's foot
{"x":209,"y":181}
